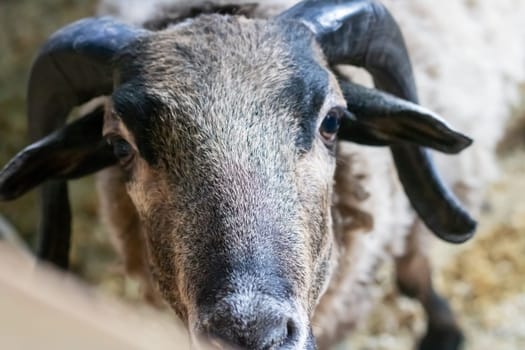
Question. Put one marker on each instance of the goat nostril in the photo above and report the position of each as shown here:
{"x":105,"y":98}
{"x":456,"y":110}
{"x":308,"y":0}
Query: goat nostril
{"x":268,"y":332}
{"x":282,"y":335}
{"x":264,"y":328}
{"x":291,"y":329}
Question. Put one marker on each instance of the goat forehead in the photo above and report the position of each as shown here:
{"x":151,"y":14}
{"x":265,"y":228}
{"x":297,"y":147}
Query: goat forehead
{"x":229,"y":74}
{"x":224,"y":51}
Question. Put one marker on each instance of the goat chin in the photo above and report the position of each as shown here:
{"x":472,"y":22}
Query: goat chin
{"x":468,"y":67}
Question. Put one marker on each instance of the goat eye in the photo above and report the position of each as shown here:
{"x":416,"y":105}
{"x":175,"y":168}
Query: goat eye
{"x":122,"y":149}
{"x":330,"y":124}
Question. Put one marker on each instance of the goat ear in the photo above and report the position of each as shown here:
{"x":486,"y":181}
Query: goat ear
{"x":381,"y":119}
{"x":74,"y":151}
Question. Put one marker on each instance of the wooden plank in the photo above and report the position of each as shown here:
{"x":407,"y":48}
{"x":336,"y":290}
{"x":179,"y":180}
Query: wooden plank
{"x":44,"y":309}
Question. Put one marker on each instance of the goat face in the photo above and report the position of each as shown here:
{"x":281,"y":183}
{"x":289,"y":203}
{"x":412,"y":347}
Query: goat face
{"x":217,"y":126}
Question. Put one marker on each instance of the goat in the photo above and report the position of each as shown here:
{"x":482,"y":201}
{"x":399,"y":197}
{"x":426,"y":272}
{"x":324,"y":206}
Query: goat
{"x":235,"y":169}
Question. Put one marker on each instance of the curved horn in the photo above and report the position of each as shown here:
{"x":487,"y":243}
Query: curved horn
{"x":74,"y":66}
{"x":381,"y":119}
{"x":363,"y":33}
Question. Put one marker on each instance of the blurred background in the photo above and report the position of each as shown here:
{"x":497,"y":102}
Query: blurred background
{"x":484,"y":279}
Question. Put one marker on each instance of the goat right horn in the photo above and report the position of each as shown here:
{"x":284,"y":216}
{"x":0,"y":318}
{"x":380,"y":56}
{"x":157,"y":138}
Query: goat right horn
{"x":74,"y":66}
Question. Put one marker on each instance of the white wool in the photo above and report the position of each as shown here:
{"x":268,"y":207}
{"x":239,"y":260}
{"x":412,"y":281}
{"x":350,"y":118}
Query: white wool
{"x":131,"y":11}
{"x":354,"y":288}
{"x":139,"y":11}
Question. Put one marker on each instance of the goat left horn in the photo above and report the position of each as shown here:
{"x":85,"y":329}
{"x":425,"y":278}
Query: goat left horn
{"x":363,"y":33}
{"x":382,"y":119}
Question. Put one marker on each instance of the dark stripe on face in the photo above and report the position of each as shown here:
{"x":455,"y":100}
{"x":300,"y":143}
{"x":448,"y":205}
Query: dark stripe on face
{"x":137,"y":110}
{"x":305,"y":94}
{"x":309,"y":86}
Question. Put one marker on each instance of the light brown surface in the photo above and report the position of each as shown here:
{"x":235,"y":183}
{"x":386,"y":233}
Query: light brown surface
{"x":42,"y":309}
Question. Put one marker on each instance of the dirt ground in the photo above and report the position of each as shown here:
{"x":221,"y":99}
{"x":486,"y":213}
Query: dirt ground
{"x":484,"y":279}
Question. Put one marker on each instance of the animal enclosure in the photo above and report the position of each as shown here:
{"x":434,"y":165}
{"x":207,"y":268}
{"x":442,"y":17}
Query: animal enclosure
{"x":480,"y":295}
